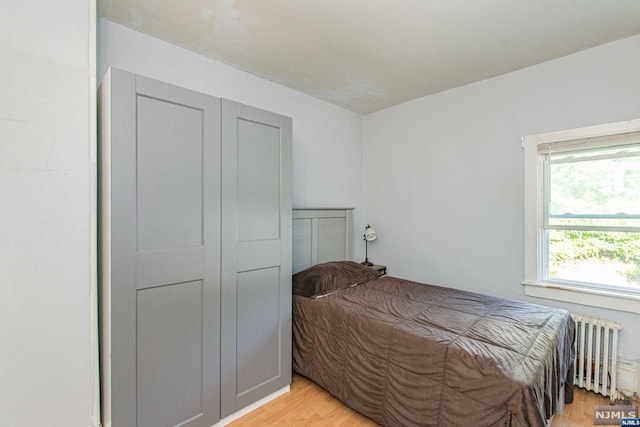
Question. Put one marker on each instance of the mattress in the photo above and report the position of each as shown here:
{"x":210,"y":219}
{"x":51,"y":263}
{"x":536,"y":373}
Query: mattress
{"x":410,"y":354}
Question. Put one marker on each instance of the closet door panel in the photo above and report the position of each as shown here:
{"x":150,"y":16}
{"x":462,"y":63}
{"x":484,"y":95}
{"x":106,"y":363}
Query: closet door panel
{"x":258,"y":192}
{"x":163,"y":293}
{"x":169,"y":354}
{"x":164,"y":267}
{"x":258,"y":254}
{"x":169,"y":174}
{"x":256,"y":263}
{"x":258,"y":331}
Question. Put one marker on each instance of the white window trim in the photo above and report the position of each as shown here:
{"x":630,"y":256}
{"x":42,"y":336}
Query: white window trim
{"x":533,"y":209}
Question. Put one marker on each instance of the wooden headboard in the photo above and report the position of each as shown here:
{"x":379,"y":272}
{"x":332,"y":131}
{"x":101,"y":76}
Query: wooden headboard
{"x":321,"y":235}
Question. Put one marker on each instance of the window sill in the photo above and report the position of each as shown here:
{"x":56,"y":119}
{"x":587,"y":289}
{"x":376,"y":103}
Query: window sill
{"x":585,"y":296}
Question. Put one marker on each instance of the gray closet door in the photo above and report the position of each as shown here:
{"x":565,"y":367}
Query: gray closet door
{"x":256,"y":255}
{"x":161,"y":228}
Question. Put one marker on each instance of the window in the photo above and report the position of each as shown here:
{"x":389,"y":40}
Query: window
{"x":582,"y":215}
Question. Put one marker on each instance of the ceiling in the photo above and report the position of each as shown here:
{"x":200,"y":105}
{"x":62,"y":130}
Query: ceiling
{"x":366,"y":55}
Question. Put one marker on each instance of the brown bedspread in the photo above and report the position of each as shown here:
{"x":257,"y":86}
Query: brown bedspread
{"x":408,"y":354}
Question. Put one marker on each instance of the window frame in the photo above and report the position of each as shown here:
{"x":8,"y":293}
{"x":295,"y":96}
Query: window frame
{"x":534,"y":214}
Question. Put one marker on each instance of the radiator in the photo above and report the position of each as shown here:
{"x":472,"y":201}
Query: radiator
{"x":596,"y":355}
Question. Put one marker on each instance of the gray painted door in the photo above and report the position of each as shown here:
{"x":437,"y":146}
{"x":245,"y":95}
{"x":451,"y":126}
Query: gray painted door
{"x":161,"y":255}
{"x":256,"y":255}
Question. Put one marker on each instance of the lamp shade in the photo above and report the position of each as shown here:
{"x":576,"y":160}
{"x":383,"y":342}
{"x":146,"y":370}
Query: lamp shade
{"x":370,"y":234}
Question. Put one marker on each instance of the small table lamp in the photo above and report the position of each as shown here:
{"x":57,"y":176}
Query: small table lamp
{"x":369,"y":236}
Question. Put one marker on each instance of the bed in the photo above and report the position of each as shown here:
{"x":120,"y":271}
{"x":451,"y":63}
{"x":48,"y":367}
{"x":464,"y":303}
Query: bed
{"x":410,"y":354}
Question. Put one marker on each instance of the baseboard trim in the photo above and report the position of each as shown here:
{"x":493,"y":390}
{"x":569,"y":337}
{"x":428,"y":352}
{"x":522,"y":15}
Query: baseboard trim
{"x":629,"y":378}
{"x":244,"y":411}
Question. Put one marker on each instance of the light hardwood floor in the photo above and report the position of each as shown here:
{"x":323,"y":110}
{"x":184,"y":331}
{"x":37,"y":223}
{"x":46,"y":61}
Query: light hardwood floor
{"x":309,"y":405}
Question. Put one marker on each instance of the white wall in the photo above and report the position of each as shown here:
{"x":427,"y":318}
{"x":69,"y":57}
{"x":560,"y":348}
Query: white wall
{"x":444,"y":173}
{"x":327,"y":140}
{"x":46,"y":101}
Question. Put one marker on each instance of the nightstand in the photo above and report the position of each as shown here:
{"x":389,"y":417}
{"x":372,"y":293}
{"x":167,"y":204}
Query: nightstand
{"x":382,"y":269}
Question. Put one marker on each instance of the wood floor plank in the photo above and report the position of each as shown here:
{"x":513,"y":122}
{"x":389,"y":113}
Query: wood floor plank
{"x":306,"y":405}
{"x":310,"y":406}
